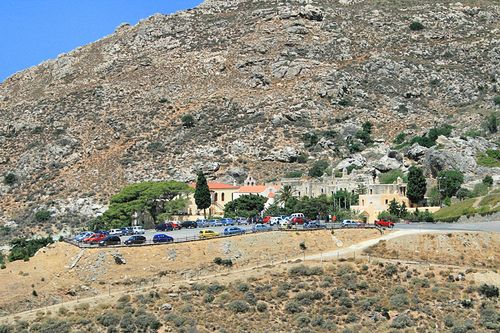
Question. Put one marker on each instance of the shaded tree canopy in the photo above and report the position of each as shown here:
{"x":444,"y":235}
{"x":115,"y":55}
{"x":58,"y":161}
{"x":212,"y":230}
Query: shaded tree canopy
{"x":245,"y":206}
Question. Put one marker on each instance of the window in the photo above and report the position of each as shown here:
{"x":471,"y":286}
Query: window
{"x":371,"y":191}
{"x":386,"y":201}
{"x":215,"y":197}
{"x":222,"y":197}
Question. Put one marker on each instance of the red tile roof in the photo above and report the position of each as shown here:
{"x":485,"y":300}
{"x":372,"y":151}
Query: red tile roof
{"x":252,"y":189}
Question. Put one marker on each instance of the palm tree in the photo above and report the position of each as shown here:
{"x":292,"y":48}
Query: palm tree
{"x":284,"y":195}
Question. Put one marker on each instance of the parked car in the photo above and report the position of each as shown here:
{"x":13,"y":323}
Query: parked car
{"x":81,"y":236}
{"x":233,"y":231}
{"x":164,"y":227}
{"x":266,"y":219}
{"x":261,"y":227}
{"x":115,"y":232}
{"x":138,"y":230}
{"x":227,"y":221}
{"x":189,"y":224}
{"x":208,"y":234}
{"x":202,"y":223}
{"x":162,"y":238}
{"x":241,"y":220}
{"x":351,"y":224}
{"x":297,"y":215}
{"x":94,"y":238}
{"x":110,"y":240}
{"x":137,"y":239}
{"x":285,"y":223}
{"x":297,"y":220}
{"x":127,"y":231}
{"x":384,"y":223}
{"x":314,"y":225}
{"x":214,"y":223}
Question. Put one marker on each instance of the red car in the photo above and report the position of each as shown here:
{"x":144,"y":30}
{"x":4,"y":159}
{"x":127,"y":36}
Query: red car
{"x":266,"y":219}
{"x":94,"y":238}
{"x":298,"y":220}
{"x":384,"y":223}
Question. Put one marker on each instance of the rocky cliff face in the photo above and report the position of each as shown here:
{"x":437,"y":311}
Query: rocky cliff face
{"x":256,"y":75}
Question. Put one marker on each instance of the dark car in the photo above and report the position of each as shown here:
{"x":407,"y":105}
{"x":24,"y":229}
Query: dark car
{"x":164,"y":227}
{"x":110,"y":240}
{"x":162,"y":238}
{"x":189,"y":224}
{"x":135,"y":240}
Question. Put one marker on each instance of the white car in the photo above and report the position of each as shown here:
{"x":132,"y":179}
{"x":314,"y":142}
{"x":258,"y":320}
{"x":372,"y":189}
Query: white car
{"x":138,"y":230}
{"x":115,"y":232}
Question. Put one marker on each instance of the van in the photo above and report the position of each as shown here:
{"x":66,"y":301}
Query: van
{"x":115,"y":232}
{"x":297,"y":215}
{"x":138,"y":230}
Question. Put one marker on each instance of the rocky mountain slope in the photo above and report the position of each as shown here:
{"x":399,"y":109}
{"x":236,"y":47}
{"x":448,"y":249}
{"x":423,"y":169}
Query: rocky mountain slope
{"x":256,"y":76}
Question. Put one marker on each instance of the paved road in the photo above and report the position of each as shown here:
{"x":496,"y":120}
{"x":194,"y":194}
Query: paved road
{"x":479,"y":226}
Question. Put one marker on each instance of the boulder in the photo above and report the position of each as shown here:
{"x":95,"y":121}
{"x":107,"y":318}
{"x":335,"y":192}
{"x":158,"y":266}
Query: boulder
{"x":312,"y":13}
{"x":415,"y":152}
{"x":356,"y":160}
{"x":387,"y":163}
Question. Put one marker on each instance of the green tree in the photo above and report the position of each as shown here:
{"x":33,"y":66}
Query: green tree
{"x":450,"y":182}
{"x":417,"y":185}
{"x":202,"y":196}
{"x":42,"y":215}
{"x":284,"y":195}
{"x":312,"y":207}
{"x":403,"y":211}
{"x":187,"y":120}
{"x":488,"y":181}
{"x":245,"y":206}
{"x":318,"y":168}
{"x":394,"y":207}
{"x":416,"y":26}
{"x":150,"y":197}
{"x":367,"y":127}
{"x":434,"y":197}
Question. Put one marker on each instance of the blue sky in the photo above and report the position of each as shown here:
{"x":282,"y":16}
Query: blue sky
{"x":32,"y":31}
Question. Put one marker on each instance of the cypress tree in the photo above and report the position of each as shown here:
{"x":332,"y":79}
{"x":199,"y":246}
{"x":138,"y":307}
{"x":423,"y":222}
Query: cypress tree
{"x":202,"y":196}
{"x":417,"y":186}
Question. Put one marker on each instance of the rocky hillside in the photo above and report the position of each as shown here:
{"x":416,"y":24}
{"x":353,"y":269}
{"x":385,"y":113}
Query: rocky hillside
{"x":257,"y":77}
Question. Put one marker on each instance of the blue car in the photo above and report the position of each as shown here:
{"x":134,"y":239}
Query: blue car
{"x":202,"y":223}
{"x":227,"y":221}
{"x":214,"y":223}
{"x":233,"y":231}
{"x":314,"y":225}
{"x":162,"y":238}
{"x":261,"y":227}
{"x":81,"y":236}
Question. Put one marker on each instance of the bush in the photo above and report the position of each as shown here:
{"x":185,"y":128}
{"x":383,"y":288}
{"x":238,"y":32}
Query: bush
{"x":464,"y":193}
{"x":147,"y":321}
{"x":488,"y":181}
{"x":489,"y":159}
{"x":399,"y":301}
{"x":250,"y":298}
{"x":391,"y":269}
{"x":303,"y":320}
{"x":23,"y":249}
{"x":308,"y":297}
{"x":294,"y":174}
{"x":416,"y":26}
{"x":238,"y":306}
{"x":489,"y":317}
{"x":208,"y":298}
{"x":302,"y":158}
{"x":293,"y":307}
{"x":187,"y":120}
{"x":10,"y":179}
{"x":489,"y":291}
{"x":305,"y":271}
{"x":261,"y":306}
{"x":155,"y":147}
{"x":223,"y":262}
{"x":108,"y":319}
{"x":215,"y":288}
{"x":491,"y":123}
{"x":42,"y":215}
{"x":402,"y":321}
{"x":345,"y":301}
{"x":318,"y":168}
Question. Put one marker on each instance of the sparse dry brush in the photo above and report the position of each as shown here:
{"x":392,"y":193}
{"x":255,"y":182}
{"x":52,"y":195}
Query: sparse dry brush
{"x":344,"y":297}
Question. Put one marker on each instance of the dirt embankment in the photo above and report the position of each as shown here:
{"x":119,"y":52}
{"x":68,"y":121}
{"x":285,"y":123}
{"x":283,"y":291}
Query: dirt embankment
{"x":48,"y":272}
{"x":474,"y":249}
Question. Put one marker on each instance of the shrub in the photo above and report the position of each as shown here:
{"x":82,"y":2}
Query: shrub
{"x":402,"y":321}
{"x":215,"y":288}
{"x":496,"y":100}
{"x":491,"y":123}
{"x":400,"y":138}
{"x":490,"y":159}
{"x":399,"y":301}
{"x":6,"y":329}
{"x":416,"y":26}
{"x":305,"y":271}
{"x":489,"y":317}
{"x":303,"y":320}
{"x":302,"y":158}
{"x":208,"y":298}
{"x":489,"y":291}
{"x":23,"y":249}
{"x":261,"y":306}
{"x":318,"y":168}
{"x":108,"y":319}
{"x":294,"y":174}
{"x":308,"y":297}
{"x":391,"y":269}
{"x":155,"y":147}
{"x":488,"y":181}
{"x":10,"y":179}
{"x":238,"y":306}
{"x":187,"y":120}
{"x":464,"y":193}
{"x":147,"y":321}
{"x":223,"y":262}
{"x":250,"y":298}
{"x":293,"y":307}
{"x":42,"y":215}
{"x":345,"y":301}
